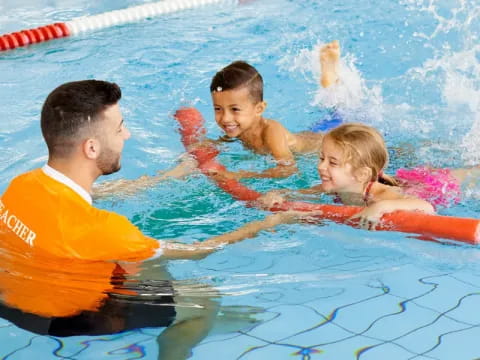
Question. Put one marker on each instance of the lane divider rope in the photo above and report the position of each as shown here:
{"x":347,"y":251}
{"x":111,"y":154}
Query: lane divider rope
{"x":95,"y":22}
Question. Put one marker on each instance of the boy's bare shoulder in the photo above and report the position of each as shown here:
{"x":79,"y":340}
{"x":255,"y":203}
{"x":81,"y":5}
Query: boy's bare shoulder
{"x":274,"y":126}
{"x":277,"y":140}
{"x":275,"y":133}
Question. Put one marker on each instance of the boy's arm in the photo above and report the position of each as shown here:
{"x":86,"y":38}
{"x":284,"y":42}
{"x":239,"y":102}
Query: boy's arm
{"x":200,"y":250}
{"x":275,"y":139}
{"x":282,"y":170}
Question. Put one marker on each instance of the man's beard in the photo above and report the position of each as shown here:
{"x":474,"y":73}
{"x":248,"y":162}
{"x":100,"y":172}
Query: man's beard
{"x":108,"y":162}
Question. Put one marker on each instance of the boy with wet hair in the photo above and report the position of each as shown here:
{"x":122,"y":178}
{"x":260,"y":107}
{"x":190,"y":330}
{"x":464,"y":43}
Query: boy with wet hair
{"x":237,"y":95}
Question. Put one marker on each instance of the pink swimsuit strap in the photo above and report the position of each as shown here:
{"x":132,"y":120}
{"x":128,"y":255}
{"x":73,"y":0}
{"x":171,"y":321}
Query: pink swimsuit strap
{"x":367,"y":192}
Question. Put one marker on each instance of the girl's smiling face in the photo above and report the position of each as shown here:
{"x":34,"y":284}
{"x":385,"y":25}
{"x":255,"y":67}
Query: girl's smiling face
{"x":336,"y":174}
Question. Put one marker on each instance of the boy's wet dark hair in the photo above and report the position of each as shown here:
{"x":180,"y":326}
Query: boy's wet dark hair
{"x":74,"y":107}
{"x":237,"y":75}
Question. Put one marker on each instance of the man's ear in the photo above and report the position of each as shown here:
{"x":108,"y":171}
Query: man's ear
{"x":91,"y":148}
{"x":260,"y":107}
{"x":363,"y":175}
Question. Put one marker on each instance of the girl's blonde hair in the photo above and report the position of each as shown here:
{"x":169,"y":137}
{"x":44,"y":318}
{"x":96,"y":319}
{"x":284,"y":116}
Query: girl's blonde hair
{"x":362,"y":146}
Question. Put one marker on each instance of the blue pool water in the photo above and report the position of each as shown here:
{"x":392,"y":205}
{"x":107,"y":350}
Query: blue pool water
{"x":328,"y":292}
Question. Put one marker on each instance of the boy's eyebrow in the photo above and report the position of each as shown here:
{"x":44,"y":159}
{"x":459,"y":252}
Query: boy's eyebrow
{"x":121,"y":123}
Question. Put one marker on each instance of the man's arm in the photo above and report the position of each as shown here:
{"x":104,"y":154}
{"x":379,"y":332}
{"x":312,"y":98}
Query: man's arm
{"x":200,"y":250}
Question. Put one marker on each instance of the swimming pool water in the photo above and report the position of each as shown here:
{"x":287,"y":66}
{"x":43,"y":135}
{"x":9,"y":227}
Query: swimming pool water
{"x":328,"y":292}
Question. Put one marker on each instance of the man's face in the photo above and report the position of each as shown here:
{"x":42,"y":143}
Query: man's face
{"x":113,"y":134}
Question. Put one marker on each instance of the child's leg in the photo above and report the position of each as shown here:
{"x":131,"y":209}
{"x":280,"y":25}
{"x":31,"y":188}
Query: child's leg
{"x":329,"y":61}
{"x":467,"y":176}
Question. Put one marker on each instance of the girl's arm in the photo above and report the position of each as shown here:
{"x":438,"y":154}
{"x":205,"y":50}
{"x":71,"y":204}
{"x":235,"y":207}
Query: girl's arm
{"x":277,"y":197}
{"x":387,"y":201}
{"x":317,"y":189}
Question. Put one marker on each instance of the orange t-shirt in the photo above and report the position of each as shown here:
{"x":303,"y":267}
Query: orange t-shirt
{"x":58,"y":252}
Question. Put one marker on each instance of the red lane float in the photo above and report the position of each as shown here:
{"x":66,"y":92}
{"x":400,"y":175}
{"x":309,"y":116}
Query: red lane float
{"x":429,"y":226}
{"x":101,"y":21}
{"x":32,"y":36}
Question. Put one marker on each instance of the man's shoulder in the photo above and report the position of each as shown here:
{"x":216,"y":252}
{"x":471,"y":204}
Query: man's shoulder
{"x":26,"y":176}
{"x":109,"y":219}
{"x":23,"y":180}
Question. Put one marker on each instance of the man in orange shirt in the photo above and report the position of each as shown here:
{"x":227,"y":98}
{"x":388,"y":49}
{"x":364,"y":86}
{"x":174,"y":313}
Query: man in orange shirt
{"x":68,"y":262}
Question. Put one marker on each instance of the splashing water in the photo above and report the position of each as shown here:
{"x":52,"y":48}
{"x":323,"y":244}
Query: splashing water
{"x":350,"y":96}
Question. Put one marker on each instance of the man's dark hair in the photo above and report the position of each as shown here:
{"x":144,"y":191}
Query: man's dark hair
{"x":237,"y":75}
{"x":73,"y":107}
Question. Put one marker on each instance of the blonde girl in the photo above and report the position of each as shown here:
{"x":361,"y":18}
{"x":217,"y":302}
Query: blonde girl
{"x":351,"y":166}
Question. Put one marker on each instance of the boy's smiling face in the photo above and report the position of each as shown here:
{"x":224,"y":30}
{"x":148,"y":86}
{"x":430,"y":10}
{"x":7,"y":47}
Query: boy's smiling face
{"x":235,"y":112}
